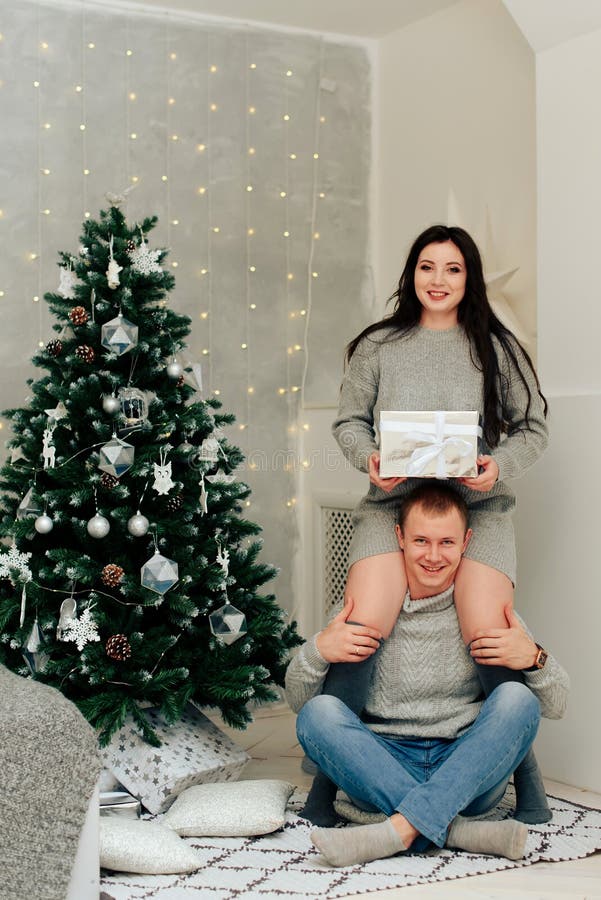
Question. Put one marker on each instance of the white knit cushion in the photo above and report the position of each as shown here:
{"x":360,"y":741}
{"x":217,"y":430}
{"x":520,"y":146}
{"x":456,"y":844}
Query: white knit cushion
{"x":231,"y":809}
{"x":128,"y":845}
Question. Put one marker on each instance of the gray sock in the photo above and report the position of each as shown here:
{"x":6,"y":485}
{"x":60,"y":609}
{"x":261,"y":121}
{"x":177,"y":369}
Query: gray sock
{"x":506,"y":838}
{"x":357,"y":844}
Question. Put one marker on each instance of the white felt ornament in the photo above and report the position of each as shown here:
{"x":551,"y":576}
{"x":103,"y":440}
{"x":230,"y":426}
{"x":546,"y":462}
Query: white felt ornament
{"x":112,"y":273}
{"x":68,"y":280}
{"x":162,"y":474}
{"x":48,"y":449}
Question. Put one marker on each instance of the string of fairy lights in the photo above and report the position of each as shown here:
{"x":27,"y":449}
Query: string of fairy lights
{"x":296,"y":284}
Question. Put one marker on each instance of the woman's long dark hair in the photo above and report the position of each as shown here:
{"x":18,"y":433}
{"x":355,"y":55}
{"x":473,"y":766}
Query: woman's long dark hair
{"x":474,"y":314}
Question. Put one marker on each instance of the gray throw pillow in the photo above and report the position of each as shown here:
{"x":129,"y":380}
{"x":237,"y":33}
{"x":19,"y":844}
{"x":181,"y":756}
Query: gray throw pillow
{"x":131,"y":845}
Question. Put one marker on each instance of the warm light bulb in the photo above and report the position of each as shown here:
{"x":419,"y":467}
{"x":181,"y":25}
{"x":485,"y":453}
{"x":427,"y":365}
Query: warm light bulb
{"x":204,"y":315}
{"x":36,"y":84}
{"x":203,"y":271}
{"x":322,"y":195}
{"x":282,"y":193}
{"x":135,"y":179}
{"x":175,"y":264}
{"x":253,"y":306}
{"x":315,"y":274}
{"x":205,"y":352}
{"x":164,"y":178}
{"x":293,"y":156}
{"x":243,"y":346}
{"x":249,"y":187}
{"x":175,"y":221}
{"x":297,"y":347}
{"x":133,"y":135}
{"x":247,"y":502}
{"x":1,"y":293}
{"x":217,"y":392}
{"x":46,"y":212}
{"x":286,"y":118}
{"x":286,"y":234}
{"x":241,"y":427}
{"x":251,"y":151}
{"x":316,"y":156}
{"x":36,"y":299}
{"x":91,"y":45}
{"x":251,"y":231}
{"x":202,"y":190}
{"x":171,"y":101}
{"x":295,"y":388}
{"x":47,"y":125}
{"x":316,"y":235}
{"x":201,"y":147}
{"x":33,"y":256}
{"x":305,"y":426}
{"x":303,"y":312}
{"x":213,"y":107}
{"x":173,"y":56}
{"x":216,"y":229}
{"x":252,"y":110}
{"x":132,"y":95}
{"x":289,"y":73}
{"x":253,"y":66}
{"x":44,"y":45}
{"x":290,"y":276}
{"x":250,"y":390}
{"x":82,"y":127}
{"x":213,"y":69}
{"x":252,"y":269}
{"x":40,"y":343}
{"x":78,"y":88}
{"x":281,"y":391}
{"x":175,"y":137}
{"x":45,"y":171}
{"x":322,"y":119}
{"x":86,"y":171}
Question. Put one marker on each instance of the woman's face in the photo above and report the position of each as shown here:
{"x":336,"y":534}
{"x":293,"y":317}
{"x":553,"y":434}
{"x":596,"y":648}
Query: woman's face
{"x":440,"y":277}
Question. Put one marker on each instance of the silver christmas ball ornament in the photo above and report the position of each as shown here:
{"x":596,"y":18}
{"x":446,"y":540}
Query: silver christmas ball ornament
{"x":98,"y":526}
{"x":43,"y":524}
{"x":111,"y":404}
{"x":138,"y":525}
{"x":174,"y":369}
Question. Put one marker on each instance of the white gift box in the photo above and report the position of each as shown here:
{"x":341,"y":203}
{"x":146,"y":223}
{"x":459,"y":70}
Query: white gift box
{"x":432,"y":444}
{"x":192,"y":751}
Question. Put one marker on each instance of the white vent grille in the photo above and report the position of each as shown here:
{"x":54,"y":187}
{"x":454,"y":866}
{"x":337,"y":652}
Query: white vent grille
{"x":336,"y":530}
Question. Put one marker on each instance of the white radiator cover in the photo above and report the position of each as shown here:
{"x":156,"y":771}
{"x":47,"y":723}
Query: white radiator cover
{"x":333,"y":530}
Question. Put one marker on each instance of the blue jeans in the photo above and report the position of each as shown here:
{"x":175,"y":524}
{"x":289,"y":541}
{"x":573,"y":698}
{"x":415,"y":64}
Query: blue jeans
{"x":429,"y":780}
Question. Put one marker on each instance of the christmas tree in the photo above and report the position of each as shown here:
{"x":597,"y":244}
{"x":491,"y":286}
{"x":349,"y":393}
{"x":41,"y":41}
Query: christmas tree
{"x":129,"y":577}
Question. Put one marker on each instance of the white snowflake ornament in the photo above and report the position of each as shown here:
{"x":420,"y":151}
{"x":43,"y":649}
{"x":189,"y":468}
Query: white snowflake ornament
{"x":145,"y":261}
{"x":13,"y":559}
{"x":82,"y":631}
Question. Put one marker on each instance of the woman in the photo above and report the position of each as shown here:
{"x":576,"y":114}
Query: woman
{"x":442,"y":348}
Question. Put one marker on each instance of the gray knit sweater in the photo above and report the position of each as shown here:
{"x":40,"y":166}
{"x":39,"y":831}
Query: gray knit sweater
{"x":424,"y":683}
{"x":433,"y":370}
{"x":49,"y":765}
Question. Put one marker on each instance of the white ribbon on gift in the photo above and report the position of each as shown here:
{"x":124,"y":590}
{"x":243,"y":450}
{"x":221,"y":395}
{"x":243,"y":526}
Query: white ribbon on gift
{"x":434,"y":436}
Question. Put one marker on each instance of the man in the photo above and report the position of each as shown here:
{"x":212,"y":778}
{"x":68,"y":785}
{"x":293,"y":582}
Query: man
{"x":428,"y":747}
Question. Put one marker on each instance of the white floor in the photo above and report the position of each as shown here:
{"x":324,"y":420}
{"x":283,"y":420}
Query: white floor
{"x":271,"y":742}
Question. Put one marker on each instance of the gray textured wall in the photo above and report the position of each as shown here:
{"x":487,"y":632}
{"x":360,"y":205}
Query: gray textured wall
{"x":185,"y":89}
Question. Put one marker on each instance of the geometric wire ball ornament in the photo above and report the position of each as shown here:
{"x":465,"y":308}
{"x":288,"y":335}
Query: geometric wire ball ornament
{"x":119,"y":335}
{"x":228,"y":623}
{"x":116,"y":457}
{"x":159,"y":573}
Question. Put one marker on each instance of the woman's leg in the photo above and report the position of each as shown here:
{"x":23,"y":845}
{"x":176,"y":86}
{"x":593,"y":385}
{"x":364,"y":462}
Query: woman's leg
{"x":481,"y":595}
{"x":377,"y":586}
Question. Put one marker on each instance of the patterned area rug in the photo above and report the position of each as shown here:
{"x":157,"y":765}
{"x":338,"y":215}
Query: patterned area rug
{"x":285,"y":864}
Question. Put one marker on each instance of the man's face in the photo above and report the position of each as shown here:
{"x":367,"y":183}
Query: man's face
{"x":433,"y":546}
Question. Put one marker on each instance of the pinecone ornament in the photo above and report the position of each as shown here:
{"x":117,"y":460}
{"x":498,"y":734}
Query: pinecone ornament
{"x":85,"y":353}
{"x":54,"y":348}
{"x":131,"y":245}
{"x":118,"y":647}
{"x":180,"y":381}
{"x":78,"y":315}
{"x":175,"y":502}
{"x":108,"y":481}
{"x":111,"y":576}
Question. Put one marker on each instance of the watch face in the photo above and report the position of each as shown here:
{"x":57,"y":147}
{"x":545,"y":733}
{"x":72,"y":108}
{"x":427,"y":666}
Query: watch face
{"x":541,"y":659}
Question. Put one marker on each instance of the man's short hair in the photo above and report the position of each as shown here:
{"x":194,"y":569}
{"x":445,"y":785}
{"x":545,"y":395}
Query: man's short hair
{"x":434,"y":497}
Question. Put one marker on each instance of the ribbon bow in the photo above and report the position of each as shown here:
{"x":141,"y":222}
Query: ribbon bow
{"x":437,"y":444}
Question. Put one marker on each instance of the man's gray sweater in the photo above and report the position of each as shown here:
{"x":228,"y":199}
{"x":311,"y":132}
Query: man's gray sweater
{"x":424,"y":683}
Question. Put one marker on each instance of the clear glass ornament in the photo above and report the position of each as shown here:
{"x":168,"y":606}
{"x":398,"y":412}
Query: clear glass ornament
{"x":134,"y":406}
{"x":119,"y":335}
{"x":116,"y":457}
{"x":28,"y":506}
{"x":33,"y":649}
{"x":228,"y":623}
{"x":159,"y":573}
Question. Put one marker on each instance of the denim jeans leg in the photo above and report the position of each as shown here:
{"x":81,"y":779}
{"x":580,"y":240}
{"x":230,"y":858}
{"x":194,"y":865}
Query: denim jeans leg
{"x":353,"y":756}
{"x":481,"y":759}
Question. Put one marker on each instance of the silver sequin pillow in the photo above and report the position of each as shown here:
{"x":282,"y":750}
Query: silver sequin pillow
{"x":128,"y":845}
{"x":231,"y":809}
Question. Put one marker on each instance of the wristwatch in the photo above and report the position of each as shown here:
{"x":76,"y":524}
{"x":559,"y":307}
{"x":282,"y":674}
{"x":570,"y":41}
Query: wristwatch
{"x":539,"y":662}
